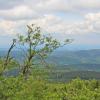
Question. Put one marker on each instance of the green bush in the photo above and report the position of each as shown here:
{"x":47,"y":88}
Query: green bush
{"x":18,"y":88}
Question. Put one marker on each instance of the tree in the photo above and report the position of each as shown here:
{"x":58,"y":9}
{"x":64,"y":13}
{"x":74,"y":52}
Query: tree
{"x":38,"y":45}
{"x":8,"y":60}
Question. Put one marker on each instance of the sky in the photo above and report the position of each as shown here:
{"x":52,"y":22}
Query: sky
{"x":76,"y":19}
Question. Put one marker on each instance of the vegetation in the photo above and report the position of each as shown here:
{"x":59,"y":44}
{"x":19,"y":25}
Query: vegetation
{"x":38,"y":45}
{"x":8,"y":62}
{"x":19,"y":89}
{"x":33,"y":83}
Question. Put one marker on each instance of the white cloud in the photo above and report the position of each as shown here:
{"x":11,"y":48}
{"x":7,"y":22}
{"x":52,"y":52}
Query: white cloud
{"x":18,"y":13}
{"x":88,"y":4}
{"x":55,"y":24}
{"x":44,"y":13}
{"x":93,"y":16}
{"x":79,"y":6}
{"x":94,"y":20}
{"x":48,"y":6}
{"x":24,"y":9}
{"x":53,"y":6}
{"x":8,"y":4}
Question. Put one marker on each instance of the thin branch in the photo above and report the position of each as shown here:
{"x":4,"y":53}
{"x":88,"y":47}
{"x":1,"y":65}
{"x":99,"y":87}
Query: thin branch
{"x":7,"y":59}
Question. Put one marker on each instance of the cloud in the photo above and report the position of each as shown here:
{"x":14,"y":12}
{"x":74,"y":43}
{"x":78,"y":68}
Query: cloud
{"x":18,"y":13}
{"x":55,"y":24}
{"x":79,"y":6}
{"x":14,"y":15}
{"x":53,"y":6}
{"x":94,"y":20}
{"x":7,"y":27}
{"x":28,"y":9}
{"x":8,"y":4}
{"x":86,"y":4}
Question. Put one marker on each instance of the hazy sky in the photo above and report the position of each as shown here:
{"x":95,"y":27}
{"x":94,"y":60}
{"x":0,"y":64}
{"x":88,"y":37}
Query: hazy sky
{"x":77,"y":19}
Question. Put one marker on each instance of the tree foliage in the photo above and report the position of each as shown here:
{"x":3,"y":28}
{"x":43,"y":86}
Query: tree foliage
{"x":38,"y":45}
{"x":19,"y":89}
{"x":8,"y":61}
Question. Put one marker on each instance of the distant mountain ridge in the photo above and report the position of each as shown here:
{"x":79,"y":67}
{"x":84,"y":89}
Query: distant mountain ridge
{"x":80,"y":60}
{"x":77,"y":57}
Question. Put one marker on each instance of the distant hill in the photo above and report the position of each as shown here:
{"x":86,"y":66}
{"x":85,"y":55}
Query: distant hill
{"x":68,"y":64}
{"x":76,"y":57}
{"x":77,"y":60}
{"x":72,"y":60}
